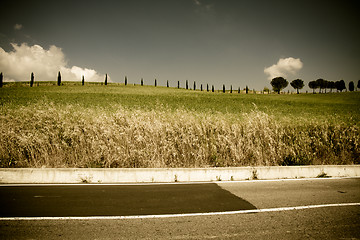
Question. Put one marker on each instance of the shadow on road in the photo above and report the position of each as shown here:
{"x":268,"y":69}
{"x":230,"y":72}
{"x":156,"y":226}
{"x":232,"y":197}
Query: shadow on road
{"x":116,"y":200}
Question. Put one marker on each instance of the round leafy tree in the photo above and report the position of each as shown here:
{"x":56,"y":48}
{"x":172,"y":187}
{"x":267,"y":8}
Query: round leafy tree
{"x":297,"y":84}
{"x":278,"y":84}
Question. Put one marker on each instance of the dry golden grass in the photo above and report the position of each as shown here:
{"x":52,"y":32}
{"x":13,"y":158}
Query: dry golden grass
{"x":56,"y":136}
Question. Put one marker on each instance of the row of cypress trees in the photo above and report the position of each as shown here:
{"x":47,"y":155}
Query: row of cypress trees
{"x":320,"y":83}
{"x":32,"y":79}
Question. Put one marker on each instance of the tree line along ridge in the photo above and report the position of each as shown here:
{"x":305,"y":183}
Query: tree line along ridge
{"x":277,"y":83}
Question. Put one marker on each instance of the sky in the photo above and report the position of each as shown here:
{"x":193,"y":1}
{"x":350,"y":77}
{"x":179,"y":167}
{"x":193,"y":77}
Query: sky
{"x":215,"y":42}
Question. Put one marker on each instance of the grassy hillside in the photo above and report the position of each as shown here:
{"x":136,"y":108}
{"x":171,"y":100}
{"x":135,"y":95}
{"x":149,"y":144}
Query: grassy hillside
{"x":145,"y":126}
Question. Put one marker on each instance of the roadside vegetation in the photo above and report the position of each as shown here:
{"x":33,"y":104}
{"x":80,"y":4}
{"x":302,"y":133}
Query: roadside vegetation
{"x":118,"y":125}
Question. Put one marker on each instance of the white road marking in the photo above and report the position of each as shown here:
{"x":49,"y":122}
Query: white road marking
{"x":181,"y":215}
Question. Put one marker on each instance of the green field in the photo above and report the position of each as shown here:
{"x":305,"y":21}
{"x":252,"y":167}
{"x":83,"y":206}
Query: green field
{"x":145,"y":126}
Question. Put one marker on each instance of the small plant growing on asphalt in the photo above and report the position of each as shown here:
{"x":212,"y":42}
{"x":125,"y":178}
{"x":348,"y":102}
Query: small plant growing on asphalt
{"x":322,"y":175}
{"x":254,"y":175}
{"x":32,"y":80}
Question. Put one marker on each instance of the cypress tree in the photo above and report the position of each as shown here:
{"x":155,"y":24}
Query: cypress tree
{"x":83,"y":81}
{"x":178,"y":84}
{"x":207,"y":87}
{"x":351,"y":86}
{"x":125,"y":80}
{"x":247,"y":90}
{"x":32,"y":79}
{"x":155,"y":82}
{"x":223,"y":88}
{"x":105,"y":79}
{"x":187,"y":85}
{"x":59,"y":79}
{"x":212,"y":88}
{"x":194,"y":85}
{"x":167,"y":83}
{"x":230,"y":88}
{"x":142,"y":82}
{"x":201,"y":87}
{"x":239,"y":90}
{"x":1,"y":79}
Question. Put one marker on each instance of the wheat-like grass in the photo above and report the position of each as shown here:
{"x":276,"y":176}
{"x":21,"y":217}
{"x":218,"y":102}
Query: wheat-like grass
{"x":56,"y":136}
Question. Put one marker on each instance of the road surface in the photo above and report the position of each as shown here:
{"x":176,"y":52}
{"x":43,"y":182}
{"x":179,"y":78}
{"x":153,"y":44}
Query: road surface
{"x":91,"y":202}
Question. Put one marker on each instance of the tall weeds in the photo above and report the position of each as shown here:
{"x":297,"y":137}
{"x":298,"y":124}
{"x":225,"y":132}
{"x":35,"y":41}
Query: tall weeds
{"x":54,"y":136}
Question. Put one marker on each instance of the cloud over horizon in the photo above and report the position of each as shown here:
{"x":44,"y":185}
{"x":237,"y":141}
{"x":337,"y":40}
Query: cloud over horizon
{"x":18,"y":64}
{"x":284,"y":67}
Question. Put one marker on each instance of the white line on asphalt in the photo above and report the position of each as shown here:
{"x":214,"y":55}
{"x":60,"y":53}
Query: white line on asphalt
{"x":180,"y":215}
{"x":168,"y":183}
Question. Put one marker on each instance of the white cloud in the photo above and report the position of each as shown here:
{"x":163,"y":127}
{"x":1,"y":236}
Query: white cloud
{"x":18,"y":64}
{"x":284,"y":67}
{"x":18,"y":26}
{"x":197,"y":2}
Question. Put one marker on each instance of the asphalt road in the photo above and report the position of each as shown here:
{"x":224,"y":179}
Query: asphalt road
{"x":341,"y":222}
{"x":116,"y":200}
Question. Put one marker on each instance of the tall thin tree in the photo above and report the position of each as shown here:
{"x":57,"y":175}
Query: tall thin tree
{"x":178,"y":84}
{"x":32,"y":79}
{"x":201,"y":87}
{"x":351,"y":86}
{"x":187,"y":85}
{"x":194,"y":85}
{"x":83,"y":81}
{"x":1,"y":79}
{"x":105,"y":79}
{"x":59,"y":79}
{"x":125,"y":80}
{"x":230,"y":88}
{"x":207,"y":87}
{"x":142,"y":82}
{"x":167,"y":83}
{"x":155,"y":82}
{"x":223,"y":88}
{"x":212,"y":88}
